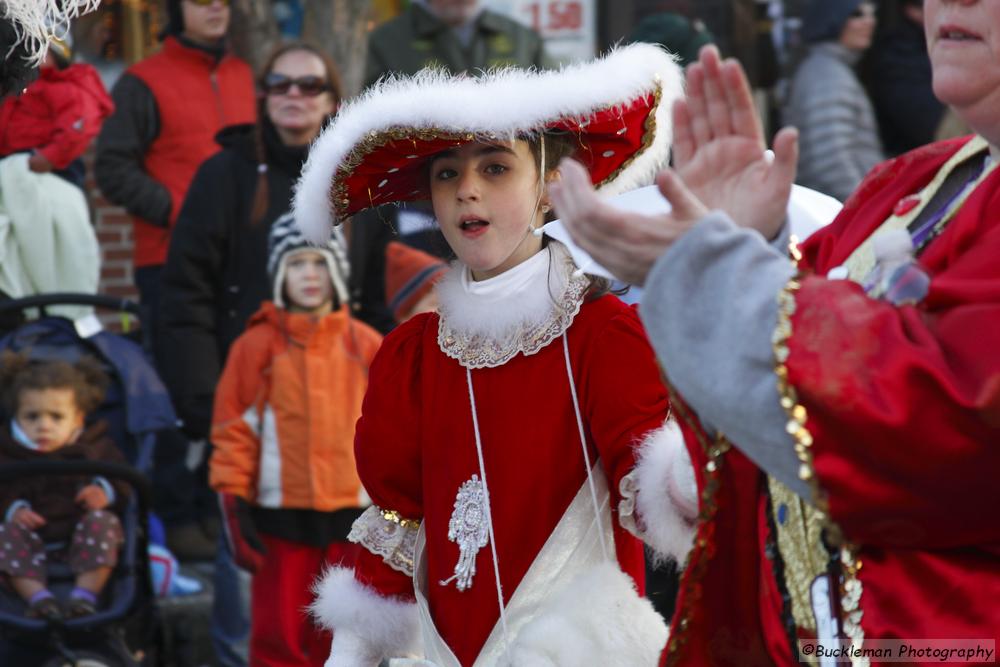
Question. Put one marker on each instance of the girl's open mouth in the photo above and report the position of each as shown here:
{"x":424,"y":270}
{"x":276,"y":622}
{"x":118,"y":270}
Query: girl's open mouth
{"x":473,"y":226}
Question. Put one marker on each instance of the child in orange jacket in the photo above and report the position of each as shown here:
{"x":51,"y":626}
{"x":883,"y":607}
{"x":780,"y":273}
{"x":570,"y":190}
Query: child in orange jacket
{"x":283,"y":436}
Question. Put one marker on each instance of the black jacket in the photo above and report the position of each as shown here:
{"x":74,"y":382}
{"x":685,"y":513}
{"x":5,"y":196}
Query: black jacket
{"x":216,"y":277}
{"x":900,"y":83}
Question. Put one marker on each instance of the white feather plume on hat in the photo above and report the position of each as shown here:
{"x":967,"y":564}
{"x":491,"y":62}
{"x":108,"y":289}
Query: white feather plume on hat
{"x":35,"y":21}
{"x":502,"y":103}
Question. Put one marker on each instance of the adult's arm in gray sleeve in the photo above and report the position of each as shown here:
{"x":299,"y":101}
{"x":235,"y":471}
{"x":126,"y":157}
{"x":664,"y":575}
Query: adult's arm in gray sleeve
{"x":121,"y":149}
{"x":710,"y":308}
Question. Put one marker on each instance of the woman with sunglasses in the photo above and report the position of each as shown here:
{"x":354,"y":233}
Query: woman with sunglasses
{"x":839,"y":135}
{"x":215,"y":276}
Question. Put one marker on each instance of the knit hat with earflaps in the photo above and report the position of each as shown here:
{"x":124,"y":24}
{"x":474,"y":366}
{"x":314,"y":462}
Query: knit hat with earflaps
{"x":616,"y":108}
{"x":409,"y":275}
{"x":286,"y":240}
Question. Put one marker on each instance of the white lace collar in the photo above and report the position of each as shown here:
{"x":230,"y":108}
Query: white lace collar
{"x":485,"y":324}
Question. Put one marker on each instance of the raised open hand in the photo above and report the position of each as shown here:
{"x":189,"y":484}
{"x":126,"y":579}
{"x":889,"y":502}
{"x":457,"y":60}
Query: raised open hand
{"x":719,"y":147}
{"x":626,"y":243}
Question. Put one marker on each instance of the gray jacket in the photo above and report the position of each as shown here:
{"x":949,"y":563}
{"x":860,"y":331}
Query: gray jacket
{"x":839,"y":139}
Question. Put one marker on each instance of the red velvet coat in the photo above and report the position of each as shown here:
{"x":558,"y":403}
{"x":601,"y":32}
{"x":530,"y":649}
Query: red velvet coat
{"x":415,"y":447}
{"x":903,"y":409}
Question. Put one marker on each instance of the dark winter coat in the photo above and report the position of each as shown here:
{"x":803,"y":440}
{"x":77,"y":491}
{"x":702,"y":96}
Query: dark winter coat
{"x":908,"y":113}
{"x":53,"y":496}
{"x":216,"y":277}
{"x":417,"y":38}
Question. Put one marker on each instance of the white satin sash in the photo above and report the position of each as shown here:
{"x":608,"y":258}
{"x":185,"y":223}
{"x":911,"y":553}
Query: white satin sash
{"x":573,"y":547}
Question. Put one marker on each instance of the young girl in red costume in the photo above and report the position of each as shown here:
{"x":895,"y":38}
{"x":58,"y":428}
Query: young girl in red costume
{"x":495,"y":430}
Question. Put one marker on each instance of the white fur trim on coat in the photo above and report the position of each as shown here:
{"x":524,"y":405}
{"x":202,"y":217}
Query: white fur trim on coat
{"x":503,"y":102}
{"x":662,"y":493}
{"x":367,"y":627}
{"x":598,"y":619}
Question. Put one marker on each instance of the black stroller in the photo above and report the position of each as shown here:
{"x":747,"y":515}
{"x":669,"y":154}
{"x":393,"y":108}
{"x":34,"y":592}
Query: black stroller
{"x":124,"y":632}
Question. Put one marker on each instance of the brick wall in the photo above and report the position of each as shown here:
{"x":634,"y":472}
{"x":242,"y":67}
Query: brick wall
{"x":114,"y":235}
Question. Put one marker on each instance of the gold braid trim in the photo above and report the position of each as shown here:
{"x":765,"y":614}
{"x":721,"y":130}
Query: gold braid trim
{"x":704,"y":545}
{"x":395,"y":517}
{"x":850,"y":589}
{"x":797,"y":415}
{"x":850,"y":604}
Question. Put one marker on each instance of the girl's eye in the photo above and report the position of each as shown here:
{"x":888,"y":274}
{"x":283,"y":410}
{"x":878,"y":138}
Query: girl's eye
{"x":496,"y":169}
{"x":445,"y":174}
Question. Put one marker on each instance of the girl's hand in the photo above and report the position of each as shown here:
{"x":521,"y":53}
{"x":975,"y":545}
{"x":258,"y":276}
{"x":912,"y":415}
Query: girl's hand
{"x":92,"y":497}
{"x":718,"y":147}
{"x":28,"y":519}
{"x":625,"y":243}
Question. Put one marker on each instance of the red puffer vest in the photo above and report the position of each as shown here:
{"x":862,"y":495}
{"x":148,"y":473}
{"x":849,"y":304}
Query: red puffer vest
{"x":195,"y":97}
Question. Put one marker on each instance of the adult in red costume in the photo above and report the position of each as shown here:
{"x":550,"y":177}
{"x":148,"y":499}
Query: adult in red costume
{"x":842,"y":414}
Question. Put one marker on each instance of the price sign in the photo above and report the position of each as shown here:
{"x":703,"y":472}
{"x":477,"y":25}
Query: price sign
{"x":568,"y":26}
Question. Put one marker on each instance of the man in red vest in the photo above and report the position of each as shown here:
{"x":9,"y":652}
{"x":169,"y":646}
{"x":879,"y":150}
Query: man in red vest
{"x":168,"y":109}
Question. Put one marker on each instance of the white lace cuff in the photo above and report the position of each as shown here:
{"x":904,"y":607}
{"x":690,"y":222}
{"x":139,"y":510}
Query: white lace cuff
{"x":385,"y":533}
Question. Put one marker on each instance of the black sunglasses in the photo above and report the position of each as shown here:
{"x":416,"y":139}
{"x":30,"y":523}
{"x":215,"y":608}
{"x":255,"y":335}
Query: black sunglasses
{"x":310,"y":86}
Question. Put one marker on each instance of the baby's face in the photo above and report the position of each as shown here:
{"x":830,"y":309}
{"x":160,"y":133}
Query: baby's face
{"x":50,"y":417}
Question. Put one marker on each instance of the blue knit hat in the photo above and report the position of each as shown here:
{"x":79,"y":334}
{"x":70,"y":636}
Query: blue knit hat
{"x":824,"y":20}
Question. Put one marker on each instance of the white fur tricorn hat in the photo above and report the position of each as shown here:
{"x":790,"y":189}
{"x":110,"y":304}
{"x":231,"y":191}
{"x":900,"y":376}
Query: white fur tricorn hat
{"x":374,"y":152}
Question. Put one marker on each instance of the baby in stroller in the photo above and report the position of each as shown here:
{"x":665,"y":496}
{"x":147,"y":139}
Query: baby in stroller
{"x":49,"y":401}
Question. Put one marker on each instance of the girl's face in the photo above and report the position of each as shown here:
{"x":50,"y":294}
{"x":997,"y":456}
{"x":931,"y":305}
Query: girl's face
{"x":49,"y":417}
{"x":485,"y":198}
{"x":308,"y":285}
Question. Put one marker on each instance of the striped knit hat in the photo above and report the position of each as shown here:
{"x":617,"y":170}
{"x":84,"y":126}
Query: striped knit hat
{"x":286,"y":240}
